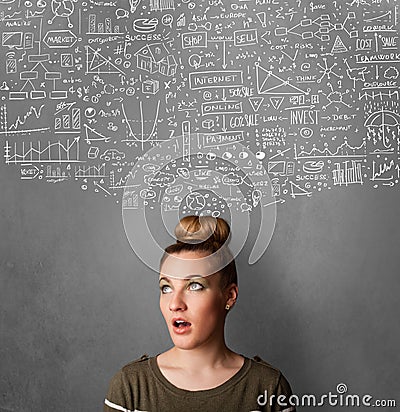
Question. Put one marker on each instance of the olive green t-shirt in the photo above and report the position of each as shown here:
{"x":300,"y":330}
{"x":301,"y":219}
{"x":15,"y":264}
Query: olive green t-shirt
{"x":141,"y":387}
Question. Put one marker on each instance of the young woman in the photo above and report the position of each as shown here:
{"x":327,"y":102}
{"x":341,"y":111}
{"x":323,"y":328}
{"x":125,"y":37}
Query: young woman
{"x":198,"y":287}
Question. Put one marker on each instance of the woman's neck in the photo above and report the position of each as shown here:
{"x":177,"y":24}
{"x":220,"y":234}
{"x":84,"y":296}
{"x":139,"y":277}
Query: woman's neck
{"x":203,"y":358}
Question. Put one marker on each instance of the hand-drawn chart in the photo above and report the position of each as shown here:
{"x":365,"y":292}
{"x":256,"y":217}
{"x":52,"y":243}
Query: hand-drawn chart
{"x":310,"y":89}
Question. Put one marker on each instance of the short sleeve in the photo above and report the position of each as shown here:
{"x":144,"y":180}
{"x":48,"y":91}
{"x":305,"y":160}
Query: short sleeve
{"x":282,"y":397}
{"x":119,"y":395}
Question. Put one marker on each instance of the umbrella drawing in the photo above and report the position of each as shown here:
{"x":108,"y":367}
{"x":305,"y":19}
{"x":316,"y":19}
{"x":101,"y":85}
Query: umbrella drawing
{"x":383,"y":119}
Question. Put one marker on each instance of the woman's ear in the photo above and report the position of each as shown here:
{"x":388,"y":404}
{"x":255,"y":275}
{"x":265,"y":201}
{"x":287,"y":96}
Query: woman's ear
{"x":231,"y":294}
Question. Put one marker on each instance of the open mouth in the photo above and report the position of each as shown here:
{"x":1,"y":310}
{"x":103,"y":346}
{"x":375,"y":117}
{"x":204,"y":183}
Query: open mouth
{"x":181,"y":323}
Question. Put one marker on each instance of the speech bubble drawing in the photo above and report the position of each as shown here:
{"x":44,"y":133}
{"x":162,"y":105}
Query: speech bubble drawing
{"x":204,"y":191}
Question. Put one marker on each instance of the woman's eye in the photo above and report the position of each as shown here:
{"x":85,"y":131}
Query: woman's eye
{"x":196,"y":286}
{"x":165,"y":289}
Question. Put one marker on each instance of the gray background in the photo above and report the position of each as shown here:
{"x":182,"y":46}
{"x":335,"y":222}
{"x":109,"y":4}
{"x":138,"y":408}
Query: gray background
{"x":77,"y":304}
{"x":322,"y":303}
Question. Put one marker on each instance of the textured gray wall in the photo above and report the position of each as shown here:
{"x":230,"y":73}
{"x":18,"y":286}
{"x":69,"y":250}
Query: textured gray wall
{"x":77,"y":304}
{"x":75,"y":301}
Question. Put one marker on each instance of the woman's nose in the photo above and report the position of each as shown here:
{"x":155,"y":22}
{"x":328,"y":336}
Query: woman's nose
{"x":177,"y":302}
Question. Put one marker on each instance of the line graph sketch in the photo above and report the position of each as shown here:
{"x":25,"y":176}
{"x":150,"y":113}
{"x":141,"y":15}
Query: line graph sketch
{"x":56,"y":152}
{"x":294,"y":84}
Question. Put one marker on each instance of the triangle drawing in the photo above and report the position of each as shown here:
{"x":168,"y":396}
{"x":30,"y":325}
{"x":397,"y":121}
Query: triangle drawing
{"x":270,"y":83}
{"x":276,"y":101}
{"x":93,"y":135}
{"x":339,"y":46}
{"x":256,"y":102}
{"x":296,"y":190}
{"x":96,"y":63}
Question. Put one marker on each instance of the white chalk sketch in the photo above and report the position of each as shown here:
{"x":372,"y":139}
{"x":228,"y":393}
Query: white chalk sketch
{"x":63,"y":8}
{"x":303,"y":93}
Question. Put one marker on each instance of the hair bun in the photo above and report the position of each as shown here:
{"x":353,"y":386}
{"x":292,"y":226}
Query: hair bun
{"x":197,"y":229}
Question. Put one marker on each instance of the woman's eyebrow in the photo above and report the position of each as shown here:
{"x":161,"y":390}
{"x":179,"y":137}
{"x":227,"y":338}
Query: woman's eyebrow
{"x":163,"y":278}
{"x":186,"y":278}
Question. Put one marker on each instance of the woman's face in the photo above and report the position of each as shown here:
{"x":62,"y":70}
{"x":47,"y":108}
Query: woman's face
{"x":193,"y":307}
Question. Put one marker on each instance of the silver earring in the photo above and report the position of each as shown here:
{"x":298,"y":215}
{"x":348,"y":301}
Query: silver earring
{"x":227,"y":307}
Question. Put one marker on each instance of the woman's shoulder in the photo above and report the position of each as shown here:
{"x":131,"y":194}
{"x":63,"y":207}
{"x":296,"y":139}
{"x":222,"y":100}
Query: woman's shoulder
{"x":143,"y":358}
{"x":134,"y":368}
{"x":136,"y":364}
{"x":270,"y":373}
{"x":263,"y":365}
{"x":126,"y":384}
{"x":133,"y":372}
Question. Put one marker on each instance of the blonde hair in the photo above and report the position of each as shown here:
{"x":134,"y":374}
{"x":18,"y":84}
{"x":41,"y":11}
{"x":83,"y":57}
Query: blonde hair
{"x":205,"y":235}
